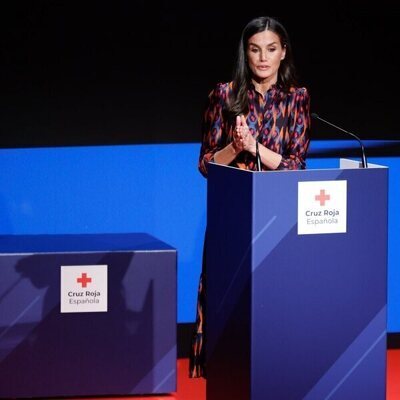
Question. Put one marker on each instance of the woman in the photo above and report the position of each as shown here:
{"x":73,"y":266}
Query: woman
{"x":262,"y":104}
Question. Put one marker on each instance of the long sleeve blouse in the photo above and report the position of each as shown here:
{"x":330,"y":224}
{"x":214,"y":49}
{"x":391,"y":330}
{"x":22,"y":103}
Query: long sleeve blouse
{"x":280,"y":121}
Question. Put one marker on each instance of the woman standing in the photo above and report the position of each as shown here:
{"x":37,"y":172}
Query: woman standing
{"x":264,"y":107}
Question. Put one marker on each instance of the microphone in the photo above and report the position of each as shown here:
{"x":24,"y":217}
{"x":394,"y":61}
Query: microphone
{"x":364,"y":158}
{"x":258,"y":158}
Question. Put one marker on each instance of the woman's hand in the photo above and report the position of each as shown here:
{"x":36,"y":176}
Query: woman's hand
{"x":242,"y":138}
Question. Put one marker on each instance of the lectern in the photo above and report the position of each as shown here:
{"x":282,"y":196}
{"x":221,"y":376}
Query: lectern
{"x":297,"y":283}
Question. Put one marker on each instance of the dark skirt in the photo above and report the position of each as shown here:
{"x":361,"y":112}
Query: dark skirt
{"x":197,"y":358}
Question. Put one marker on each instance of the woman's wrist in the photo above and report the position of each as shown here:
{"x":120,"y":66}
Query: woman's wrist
{"x":227,"y":154}
{"x":235,"y":148}
{"x":252,"y":150}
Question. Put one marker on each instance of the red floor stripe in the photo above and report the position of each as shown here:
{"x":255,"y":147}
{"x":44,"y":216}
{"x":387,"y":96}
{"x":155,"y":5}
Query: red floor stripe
{"x":393,"y":375}
{"x":195,"y":389}
{"x":188,"y":389}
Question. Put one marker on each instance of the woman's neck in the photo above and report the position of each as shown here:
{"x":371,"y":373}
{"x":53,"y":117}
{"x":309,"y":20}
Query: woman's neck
{"x":262,"y":86}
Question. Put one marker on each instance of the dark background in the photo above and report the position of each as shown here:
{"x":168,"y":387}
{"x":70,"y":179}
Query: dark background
{"x":122,"y":72}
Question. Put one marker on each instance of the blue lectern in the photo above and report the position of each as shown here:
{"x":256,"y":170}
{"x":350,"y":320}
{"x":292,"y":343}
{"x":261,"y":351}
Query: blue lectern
{"x":296,"y":283}
{"x":85,"y":315}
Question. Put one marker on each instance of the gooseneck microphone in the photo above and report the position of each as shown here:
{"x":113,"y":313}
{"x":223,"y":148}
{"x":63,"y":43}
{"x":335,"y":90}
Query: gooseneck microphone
{"x":364,"y":158}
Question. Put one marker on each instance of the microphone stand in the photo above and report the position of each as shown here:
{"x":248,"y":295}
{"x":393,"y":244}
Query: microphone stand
{"x":363,"y":156}
{"x":258,"y":158}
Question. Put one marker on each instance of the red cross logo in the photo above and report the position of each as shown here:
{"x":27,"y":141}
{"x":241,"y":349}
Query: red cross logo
{"x":84,"y":279}
{"x":322,"y":197}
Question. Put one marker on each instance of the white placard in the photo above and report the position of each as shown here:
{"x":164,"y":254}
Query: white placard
{"x":83,"y":288}
{"x":322,"y":207}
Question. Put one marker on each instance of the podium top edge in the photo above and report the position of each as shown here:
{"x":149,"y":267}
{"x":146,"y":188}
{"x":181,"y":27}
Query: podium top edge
{"x":346,"y":165}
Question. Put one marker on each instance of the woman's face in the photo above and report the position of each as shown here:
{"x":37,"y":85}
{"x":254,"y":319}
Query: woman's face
{"x":264,"y":56}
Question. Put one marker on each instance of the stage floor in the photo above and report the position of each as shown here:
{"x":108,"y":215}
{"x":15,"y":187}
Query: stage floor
{"x":195,"y":389}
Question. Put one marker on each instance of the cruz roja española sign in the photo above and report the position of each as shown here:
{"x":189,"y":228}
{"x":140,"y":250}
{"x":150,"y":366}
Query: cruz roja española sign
{"x":322,"y":207}
{"x":83,"y":288}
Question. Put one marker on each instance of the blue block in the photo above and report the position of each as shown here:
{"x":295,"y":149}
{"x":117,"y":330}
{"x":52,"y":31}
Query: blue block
{"x":128,"y":349}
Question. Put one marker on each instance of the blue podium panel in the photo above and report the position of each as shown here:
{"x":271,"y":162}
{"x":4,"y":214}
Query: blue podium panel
{"x":53,"y":339}
{"x":293,"y":315}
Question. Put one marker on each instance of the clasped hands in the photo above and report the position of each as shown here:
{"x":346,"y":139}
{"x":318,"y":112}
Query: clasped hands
{"x":242,"y":138}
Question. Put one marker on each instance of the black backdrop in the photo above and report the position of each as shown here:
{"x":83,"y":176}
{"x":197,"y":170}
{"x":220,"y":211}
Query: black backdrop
{"x":121,"y":72}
